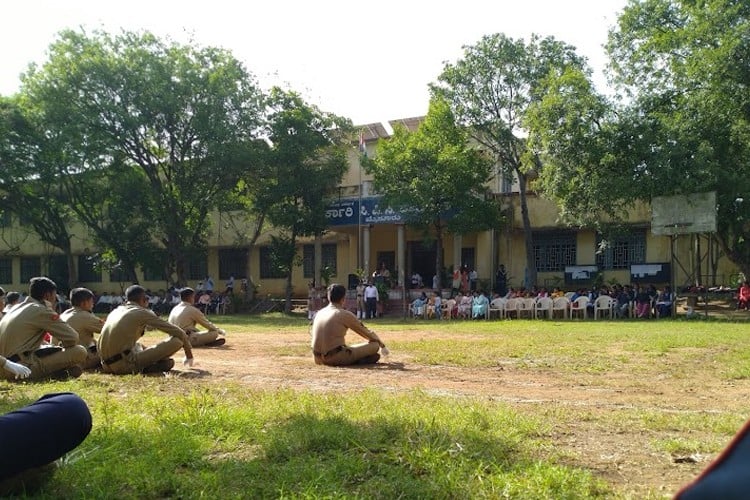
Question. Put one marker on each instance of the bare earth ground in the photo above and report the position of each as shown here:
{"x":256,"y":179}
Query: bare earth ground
{"x":621,"y":456}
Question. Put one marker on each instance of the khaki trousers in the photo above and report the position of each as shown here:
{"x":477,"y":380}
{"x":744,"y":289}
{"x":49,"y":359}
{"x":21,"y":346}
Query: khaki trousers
{"x":349,"y":355}
{"x":135,"y":362}
{"x":42,"y":368}
{"x":198,"y":339}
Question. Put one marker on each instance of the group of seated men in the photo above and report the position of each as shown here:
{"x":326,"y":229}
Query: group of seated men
{"x":162,"y":302}
{"x":74,"y":346}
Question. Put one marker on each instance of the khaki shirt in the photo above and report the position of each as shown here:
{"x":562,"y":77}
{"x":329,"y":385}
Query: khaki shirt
{"x":330,"y":326}
{"x":186,"y":316}
{"x":23,"y":328}
{"x":84,"y":322}
{"x":125,"y":326}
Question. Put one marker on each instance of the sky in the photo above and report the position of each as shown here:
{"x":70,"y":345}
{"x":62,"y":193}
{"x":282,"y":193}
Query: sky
{"x":367,"y":61}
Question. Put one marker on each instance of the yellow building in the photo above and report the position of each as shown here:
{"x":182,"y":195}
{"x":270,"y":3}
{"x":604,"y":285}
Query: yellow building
{"x":364,"y":236}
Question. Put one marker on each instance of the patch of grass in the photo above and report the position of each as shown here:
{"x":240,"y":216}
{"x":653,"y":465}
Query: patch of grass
{"x":181,"y":438}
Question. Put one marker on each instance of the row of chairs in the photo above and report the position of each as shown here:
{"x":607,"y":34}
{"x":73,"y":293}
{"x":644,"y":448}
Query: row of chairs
{"x":546,"y":307}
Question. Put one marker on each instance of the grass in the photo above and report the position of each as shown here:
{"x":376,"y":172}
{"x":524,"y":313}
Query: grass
{"x":173,"y":438}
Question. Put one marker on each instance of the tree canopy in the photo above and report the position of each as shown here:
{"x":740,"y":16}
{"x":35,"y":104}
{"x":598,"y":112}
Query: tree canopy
{"x":436,"y":178}
{"x":179,"y":118}
{"x":490,"y":90}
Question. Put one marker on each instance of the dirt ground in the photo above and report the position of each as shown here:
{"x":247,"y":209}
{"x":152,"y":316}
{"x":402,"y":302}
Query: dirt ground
{"x":622,"y":456}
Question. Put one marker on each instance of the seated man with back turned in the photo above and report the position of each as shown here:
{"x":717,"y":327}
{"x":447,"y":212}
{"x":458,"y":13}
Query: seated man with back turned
{"x":186,"y":316}
{"x":23,"y":328}
{"x":118,"y":343}
{"x":329,"y":334}
{"x":85,"y":322}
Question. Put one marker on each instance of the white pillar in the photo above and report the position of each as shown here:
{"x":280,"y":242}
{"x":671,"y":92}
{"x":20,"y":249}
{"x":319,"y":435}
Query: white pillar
{"x":366,"y":250}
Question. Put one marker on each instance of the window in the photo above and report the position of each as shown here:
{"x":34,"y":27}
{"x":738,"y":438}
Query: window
{"x":154,"y":271}
{"x":5,"y":220}
{"x":86,"y":271}
{"x":328,"y":251}
{"x":118,"y":275}
{"x":58,"y":271}
{"x":621,"y":251}
{"x":268,"y":269}
{"x":197,"y":267}
{"x":554,"y":250}
{"x":6,"y":270}
{"x":30,"y":267}
{"x":232,"y":262}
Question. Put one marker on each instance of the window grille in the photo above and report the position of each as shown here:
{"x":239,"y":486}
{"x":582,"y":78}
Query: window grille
{"x":554,"y":250}
{"x":620,"y":252}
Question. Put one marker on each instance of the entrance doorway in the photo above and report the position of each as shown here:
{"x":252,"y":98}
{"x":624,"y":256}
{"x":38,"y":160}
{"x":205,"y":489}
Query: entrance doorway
{"x":421,"y":259}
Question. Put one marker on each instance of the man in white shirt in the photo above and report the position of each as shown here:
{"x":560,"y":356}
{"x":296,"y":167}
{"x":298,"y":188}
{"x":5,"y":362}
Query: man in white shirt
{"x":371,"y":300}
{"x":187,"y":316}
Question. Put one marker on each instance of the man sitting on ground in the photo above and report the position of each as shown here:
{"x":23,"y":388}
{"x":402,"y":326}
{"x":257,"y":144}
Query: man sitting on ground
{"x":22,"y":331}
{"x":187,"y":316}
{"x":118,"y":343}
{"x":85,"y":322}
{"x":329,"y":334}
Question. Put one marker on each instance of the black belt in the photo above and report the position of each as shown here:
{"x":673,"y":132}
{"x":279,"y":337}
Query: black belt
{"x":332,"y":351}
{"x":16,"y":358}
{"x":40,"y":353}
{"x":117,"y":357}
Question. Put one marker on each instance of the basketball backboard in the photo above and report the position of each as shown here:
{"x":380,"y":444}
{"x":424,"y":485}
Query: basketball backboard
{"x":683,"y":214}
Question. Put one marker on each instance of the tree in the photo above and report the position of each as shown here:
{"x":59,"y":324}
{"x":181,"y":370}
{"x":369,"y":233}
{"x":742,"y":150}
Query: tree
{"x":179,"y":117}
{"x":28,"y":186}
{"x":490,"y":90}
{"x":436,"y":178}
{"x":685,"y":127}
{"x":303,"y":167}
{"x":686,"y":66}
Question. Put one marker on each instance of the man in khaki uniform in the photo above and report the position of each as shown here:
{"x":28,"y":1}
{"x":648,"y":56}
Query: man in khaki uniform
{"x":329,"y":334}
{"x":118,"y":343}
{"x":85,"y":322}
{"x":23,"y":328}
{"x":187,"y":316}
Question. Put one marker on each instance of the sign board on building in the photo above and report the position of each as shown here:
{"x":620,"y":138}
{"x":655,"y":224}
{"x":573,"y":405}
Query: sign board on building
{"x":579,"y":274}
{"x":345,"y":212}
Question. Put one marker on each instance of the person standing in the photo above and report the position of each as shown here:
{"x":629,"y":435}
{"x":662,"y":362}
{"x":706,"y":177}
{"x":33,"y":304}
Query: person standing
{"x":501,"y":281}
{"x":85,"y":322}
{"x":22,"y":332}
{"x":208,"y":285}
{"x":360,"y":300}
{"x":371,"y":300}
{"x":187,"y":316}
{"x":473,"y":278}
{"x":230,"y":285}
{"x":329,"y":334}
{"x":118,"y":343}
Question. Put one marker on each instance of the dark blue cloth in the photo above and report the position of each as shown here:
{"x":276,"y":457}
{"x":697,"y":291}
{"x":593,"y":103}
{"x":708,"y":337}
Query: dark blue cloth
{"x":727,"y":477}
{"x":42,"y":432}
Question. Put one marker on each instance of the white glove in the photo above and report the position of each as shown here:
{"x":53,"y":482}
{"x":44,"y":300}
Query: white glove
{"x":384,"y":351}
{"x":187,"y":362}
{"x":222,"y":332}
{"x":17,"y":369}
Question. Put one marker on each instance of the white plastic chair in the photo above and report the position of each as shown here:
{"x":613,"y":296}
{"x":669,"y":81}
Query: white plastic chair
{"x":604,"y":306}
{"x":561,"y":304}
{"x":497,"y":307}
{"x":579,"y":306}
{"x":543,"y":307}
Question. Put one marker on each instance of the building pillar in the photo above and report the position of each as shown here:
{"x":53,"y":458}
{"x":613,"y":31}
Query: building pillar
{"x":366,"y":251}
{"x":401,"y":253}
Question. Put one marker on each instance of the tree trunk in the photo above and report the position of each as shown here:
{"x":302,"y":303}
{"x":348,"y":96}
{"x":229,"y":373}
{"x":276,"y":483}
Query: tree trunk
{"x":72,"y":268}
{"x":528,"y":237}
